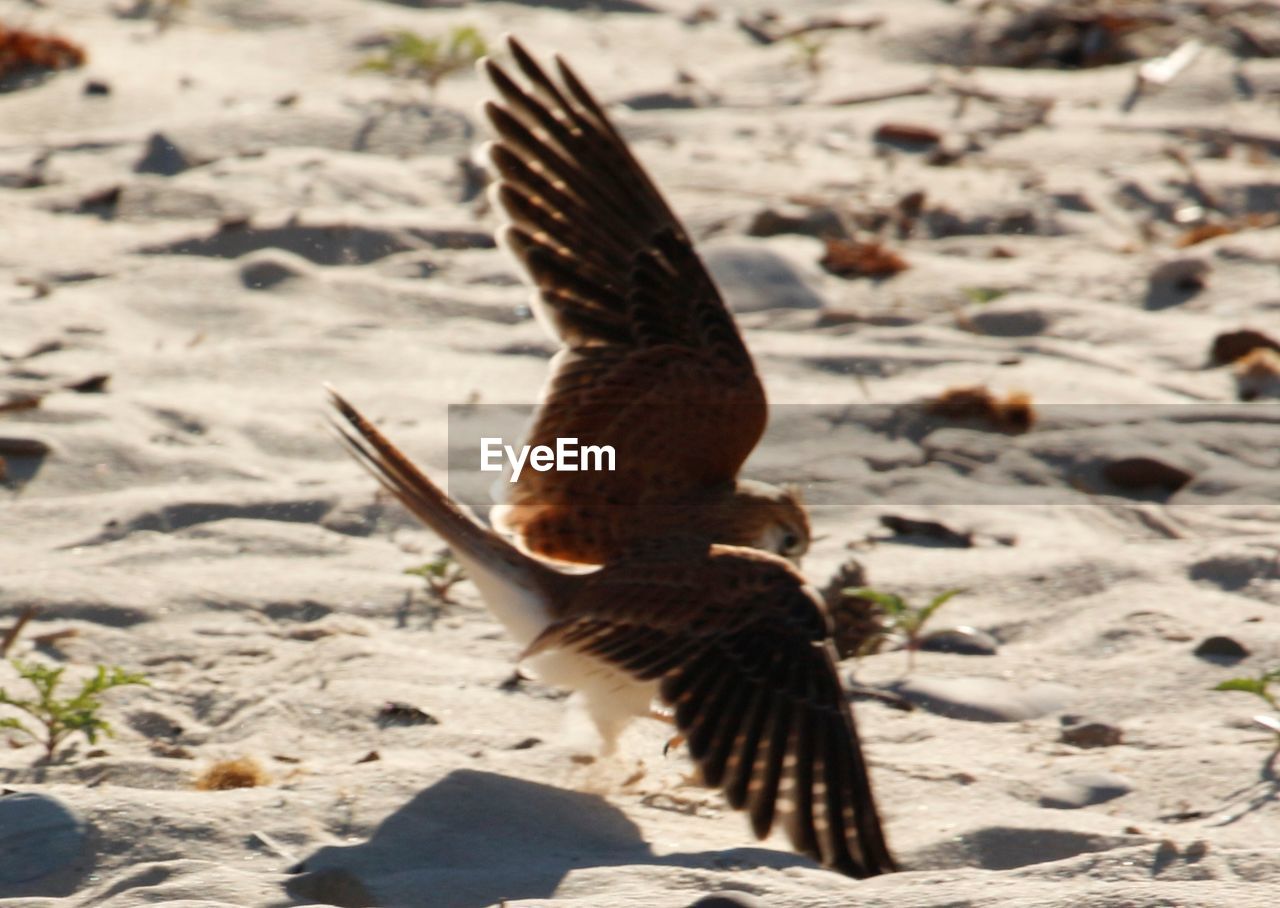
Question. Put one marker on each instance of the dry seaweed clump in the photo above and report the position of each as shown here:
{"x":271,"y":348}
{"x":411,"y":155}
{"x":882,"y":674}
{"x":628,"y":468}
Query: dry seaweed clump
{"x":852,"y":258}
{"x":857,"y":622}
{"x":1080,"y":34}
{"x":1014,"y":413}
{"x":242,"y":772}
{"x":24,"y":54}
{"x":1258,"y":374}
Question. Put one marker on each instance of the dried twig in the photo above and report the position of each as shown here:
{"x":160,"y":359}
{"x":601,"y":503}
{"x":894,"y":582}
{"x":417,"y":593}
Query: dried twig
{"x":11,"y":635}
{"x":888,"y":94}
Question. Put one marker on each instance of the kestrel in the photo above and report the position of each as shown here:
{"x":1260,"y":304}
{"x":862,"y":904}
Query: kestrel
{"x":689,"y":604}
{"x":652,"y":363}
{"x":730,"y":638}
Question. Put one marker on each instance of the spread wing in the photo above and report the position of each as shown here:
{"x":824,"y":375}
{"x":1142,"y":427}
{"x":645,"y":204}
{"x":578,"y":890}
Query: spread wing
{"x":740,"y":645}
{"x":653,"y":363}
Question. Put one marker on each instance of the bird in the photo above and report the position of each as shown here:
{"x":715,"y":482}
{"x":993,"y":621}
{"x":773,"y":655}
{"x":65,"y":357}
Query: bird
{"x":651,"y":362}
{"x":671,"y":583}
{"x":729,"y":638}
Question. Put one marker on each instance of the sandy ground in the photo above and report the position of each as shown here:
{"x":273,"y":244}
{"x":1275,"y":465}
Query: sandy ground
{"x":195,"y":522}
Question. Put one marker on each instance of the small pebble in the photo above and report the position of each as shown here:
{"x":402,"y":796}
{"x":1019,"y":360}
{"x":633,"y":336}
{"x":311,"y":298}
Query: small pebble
{"x":1085,"y":789}
{"x":162,"y":157}
{"x":1080,"y":733}
{"x":961,"y":640}
{"x":1221,"y":649}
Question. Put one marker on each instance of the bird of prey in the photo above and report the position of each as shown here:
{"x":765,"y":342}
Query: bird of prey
{"x":689,"y":604}
{"x":652,"y":363}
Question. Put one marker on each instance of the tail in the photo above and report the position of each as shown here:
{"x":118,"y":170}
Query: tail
{"x":517,"y":588}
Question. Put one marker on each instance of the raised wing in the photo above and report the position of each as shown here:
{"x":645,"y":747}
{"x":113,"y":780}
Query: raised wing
{"x":740,"y":647}
{"x":654,"y":364}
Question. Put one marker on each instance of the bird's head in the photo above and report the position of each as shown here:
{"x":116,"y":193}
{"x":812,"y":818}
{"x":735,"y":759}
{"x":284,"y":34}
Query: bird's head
{"x":772,"y":519}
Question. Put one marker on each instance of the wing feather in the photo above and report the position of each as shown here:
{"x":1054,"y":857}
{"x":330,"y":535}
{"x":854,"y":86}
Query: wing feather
{"x":754,"y":688}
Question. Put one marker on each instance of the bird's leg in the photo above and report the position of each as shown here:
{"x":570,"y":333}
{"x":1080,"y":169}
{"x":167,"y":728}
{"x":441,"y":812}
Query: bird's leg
{"x":666,"y":714}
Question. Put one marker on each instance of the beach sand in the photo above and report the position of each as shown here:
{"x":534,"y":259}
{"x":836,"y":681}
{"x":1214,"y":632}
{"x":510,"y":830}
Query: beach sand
{"x":243,"y":217}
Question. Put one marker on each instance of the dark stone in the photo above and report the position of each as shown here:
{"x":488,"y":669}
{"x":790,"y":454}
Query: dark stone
{"x":1233,"y":345}
{"x":962,"y":641}
{"x":97,"y":87}
{"x":1080,"y":733}
{"x":729,"y":900}
{"x":1146,"y":472}
{"x":162,"y":157}
{"x":1176,"y":281}
{"x":1086,"y":789}
{"x":1221,"y":649}
{"x":270,"y":267}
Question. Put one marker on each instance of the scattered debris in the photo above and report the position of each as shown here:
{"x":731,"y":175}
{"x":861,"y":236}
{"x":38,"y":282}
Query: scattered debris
{"x":766,"y":27}
{"x":22,"y":447}
{"x":961,"y":640}
{"x":1160,"y":71}
{"x":224,"y":775}
{"x":976,"y":402}
{"x":94,"y":384}
{"x":854,"y":258}
{"x":1221,"y":649}
{"x":1176,"y":281}
{"x":25,"y":55}
{"x":163,"y":157}
{"x":20,"y":402}
{"x":909,"y":136}
{"x":856,"y":620}
{"x":1257,"y":374}
{"x":395,"y":713}
{"x":1258,"y":220}
{"x":930,"y":529}
{"x":1146,"y":473}
{"x":1081,"y":733}
{"x":11,"y":635}
{"x":888,"y":94}
{"x":371,"y":757}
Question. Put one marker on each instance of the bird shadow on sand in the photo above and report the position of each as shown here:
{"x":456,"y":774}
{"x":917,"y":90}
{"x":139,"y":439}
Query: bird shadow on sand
{"x":477,"y":838}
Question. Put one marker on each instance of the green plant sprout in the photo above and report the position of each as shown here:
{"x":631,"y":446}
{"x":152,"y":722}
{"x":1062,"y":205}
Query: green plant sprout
{"x":900,"y":620}
{"x":808,"y":53}
{"x":1259,"y":687}
{"x":440,"y":575}
{"x":62,"y":717}
{"x":411,"y":56}
{"x":982,"y":295}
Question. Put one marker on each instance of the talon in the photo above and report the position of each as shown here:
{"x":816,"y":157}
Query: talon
{"x":674,"y":741}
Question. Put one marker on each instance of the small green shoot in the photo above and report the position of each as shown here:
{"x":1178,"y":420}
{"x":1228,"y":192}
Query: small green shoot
{"x":1259,"y":687}
{"x":61,"y":717}
{"x":440,"y":575}
{"x":901,"y":620}
{"x":411,"y":56}
{"x":808,"y":53}
{"x":982,"y":295}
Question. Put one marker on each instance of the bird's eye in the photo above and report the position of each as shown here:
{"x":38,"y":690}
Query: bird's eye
{"x":790,"y":542}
